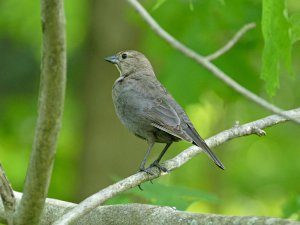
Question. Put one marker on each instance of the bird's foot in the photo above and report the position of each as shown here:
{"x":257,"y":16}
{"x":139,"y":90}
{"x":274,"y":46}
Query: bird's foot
{"x":146,"y":170}
{"x":140,"y":187}
{"x":157,"y":165}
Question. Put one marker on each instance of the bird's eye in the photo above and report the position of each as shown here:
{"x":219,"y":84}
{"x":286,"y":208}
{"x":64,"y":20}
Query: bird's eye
{"x":124,"y":56}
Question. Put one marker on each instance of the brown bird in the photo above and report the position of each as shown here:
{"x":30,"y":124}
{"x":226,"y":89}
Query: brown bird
{"x":147,"y":110}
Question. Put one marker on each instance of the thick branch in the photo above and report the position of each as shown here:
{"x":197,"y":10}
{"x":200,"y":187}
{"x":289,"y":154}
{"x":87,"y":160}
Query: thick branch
{"x":146,"y":215}
{"x":204,"y":61}
{"x":51,"y":100}
{"x":7,"y":196}
{"x":237,"y":131}
{"x":231,"y":43}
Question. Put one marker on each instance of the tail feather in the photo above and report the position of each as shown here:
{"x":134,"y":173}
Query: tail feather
{"x":197,"y":140}
{"x":209,"y":152}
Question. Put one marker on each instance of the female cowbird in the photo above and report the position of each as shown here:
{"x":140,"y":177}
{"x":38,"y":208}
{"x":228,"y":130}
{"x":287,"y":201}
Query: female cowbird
{"x":146,"y":108}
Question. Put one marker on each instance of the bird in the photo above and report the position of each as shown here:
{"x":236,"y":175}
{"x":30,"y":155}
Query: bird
{"x":148,"y":110}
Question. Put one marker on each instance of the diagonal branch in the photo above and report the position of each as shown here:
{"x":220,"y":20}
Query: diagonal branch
{"x":205,"y":62}
{"x":231,"y":43}
{"x":51,"y":101}
{"x":237,"y":131}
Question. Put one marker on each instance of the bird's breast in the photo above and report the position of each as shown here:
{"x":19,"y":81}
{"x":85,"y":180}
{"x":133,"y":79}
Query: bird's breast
{"x":131,"y":100}
{"x":128,"y":99}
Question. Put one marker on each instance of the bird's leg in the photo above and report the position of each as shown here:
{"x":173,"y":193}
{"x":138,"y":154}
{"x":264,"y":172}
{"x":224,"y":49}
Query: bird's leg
{"x":156,"y":162}
{"x":163,"y":152}
{"x":142,"y":166}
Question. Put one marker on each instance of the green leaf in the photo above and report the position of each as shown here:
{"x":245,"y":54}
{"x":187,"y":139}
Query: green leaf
{"x":191,"y":5}
{"x":159,"y":194}
{"x":222,"y":2}
{"x":295,"y":30}
{"x":278,"y":43}
{"x":174,"y":196}
{"x":158,"y":4}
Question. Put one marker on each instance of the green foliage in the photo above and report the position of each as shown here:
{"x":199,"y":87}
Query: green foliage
{"x":222,"y":2}
{"x":14,"y":24}
{"x":169,"y":195}
{"x":16,"y":138}
{"x":158,"y":4}
{"x":292,"y":207}
{"x":20,"y":21}
{"x":191,"y":5}
{"x":17,"y":132}
{"x":279,"y":32}
{"x":204,"y":33}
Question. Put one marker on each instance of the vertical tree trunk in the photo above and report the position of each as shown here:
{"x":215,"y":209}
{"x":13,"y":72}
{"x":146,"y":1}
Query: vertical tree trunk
{"x":51,"y":102}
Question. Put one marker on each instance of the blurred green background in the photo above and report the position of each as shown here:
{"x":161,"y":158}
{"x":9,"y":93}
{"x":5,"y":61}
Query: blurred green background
{"x":94,"y":150}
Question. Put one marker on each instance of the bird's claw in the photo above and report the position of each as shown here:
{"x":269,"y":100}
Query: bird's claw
{"x":147,"y":170}
{"x":140,"y":187}
{"x":157,"y":165}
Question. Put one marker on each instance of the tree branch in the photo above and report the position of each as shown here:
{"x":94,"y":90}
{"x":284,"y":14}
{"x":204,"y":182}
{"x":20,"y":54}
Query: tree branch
{"x":145,"y":215}
{"x":7,"y":196}
{"x":51,"y":101}
{"x":205,"y":62}
{"x":237,"y":131}
{"x":231,"y":43}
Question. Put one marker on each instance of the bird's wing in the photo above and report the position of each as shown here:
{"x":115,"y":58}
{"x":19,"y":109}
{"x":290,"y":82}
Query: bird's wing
{"x":164,"y":117}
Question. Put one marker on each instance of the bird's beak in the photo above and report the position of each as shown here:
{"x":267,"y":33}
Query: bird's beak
{"x":112,"y":59}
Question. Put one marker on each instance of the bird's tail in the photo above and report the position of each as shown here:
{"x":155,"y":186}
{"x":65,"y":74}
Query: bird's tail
{"x":201,"y":143}
{"x":197,"y":140}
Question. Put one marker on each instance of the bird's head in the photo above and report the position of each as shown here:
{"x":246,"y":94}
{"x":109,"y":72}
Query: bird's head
{"x":129,"y":62}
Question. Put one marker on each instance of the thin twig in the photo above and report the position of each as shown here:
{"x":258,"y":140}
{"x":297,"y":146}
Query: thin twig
{"x":237,"y":131}
{"x":51,"y":102}
{"x":205,"y":62}
{"x":7,"y":196}
{"x":231,"y":43}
